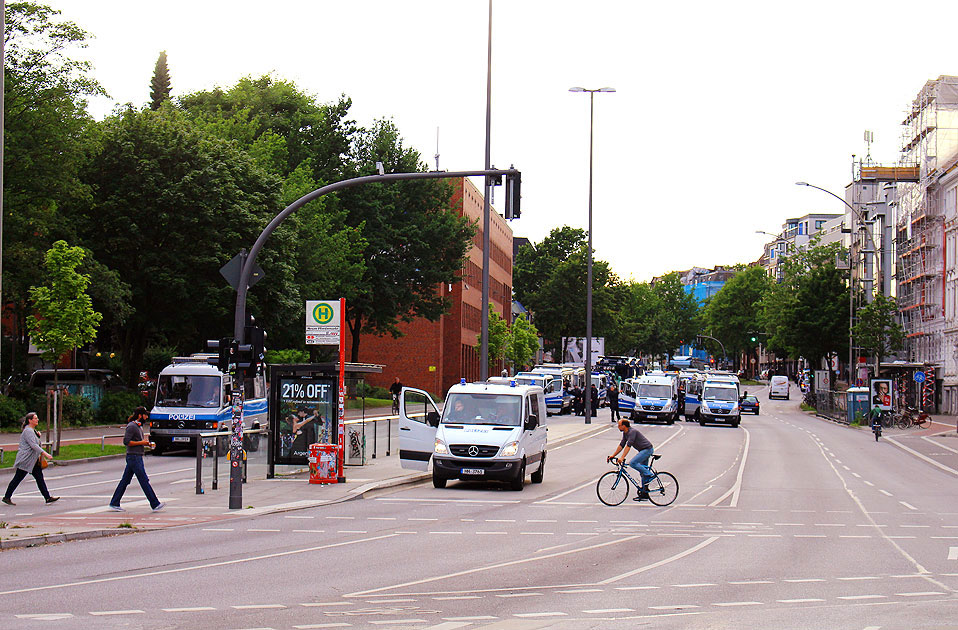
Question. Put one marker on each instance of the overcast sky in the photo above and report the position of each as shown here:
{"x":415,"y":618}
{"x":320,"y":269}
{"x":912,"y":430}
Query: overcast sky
{"x":719,"y":109}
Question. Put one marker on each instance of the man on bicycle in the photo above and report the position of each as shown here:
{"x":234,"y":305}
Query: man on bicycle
{"x":632,"y":438}
{"x":395,"y":389}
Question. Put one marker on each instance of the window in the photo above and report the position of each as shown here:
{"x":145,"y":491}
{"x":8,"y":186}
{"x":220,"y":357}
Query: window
{"x":534,"y":406}
{"x":819,"y":224}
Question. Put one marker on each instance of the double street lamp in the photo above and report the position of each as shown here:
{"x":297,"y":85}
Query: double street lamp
{"x":851,"y":287}
{"x":588,"y":294}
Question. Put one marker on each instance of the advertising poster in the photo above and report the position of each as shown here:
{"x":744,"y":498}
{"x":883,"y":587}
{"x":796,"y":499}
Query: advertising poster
{"x":574,"y":349}
{"x":307,"y":415}
{"x":881,"y":394}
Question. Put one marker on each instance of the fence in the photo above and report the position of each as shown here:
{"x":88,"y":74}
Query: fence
{"x":829,"y":404}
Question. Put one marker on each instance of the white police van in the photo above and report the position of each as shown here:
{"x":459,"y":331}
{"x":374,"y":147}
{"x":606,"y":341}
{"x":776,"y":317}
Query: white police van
{"x":556,"y":400}
{"x":651,"y":397}
{"x":720,"y":403}
{"x":193,"y":397}
{"x":487,"y":431}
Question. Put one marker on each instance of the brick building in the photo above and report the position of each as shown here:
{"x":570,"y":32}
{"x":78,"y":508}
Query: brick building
{"x":435,"y":355}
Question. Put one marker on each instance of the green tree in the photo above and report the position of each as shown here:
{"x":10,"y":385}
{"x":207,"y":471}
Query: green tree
{"x":522,"y":343}
{"x":732,"y":314}
{"x":45,"y":118}
{"x":877,"y":330}
{"x":64,"y":318}
{"x":160,"y":84}
{"x":534,"y":265}
{"x":498,"y":338}
{"x":676,"y":320}
{"x":635,"y":330}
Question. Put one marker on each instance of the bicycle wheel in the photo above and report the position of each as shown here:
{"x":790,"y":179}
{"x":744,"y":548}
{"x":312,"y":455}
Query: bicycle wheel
{"x":663,"y":489}
{"x":902,"y":421}
{"x":612,"y":488}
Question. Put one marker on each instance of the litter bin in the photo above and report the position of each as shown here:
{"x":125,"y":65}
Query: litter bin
{"x":323,"y":463}
{"x":857,"y":403}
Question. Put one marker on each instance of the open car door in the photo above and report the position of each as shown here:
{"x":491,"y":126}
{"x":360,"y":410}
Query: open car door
{"x":418,"y":420}
{"x":627,"y":398}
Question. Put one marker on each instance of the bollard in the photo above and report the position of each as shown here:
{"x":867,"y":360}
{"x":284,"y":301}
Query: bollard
{"x":216,"y":464}
{"x":389,"y":435}
{"x":199,"y":465}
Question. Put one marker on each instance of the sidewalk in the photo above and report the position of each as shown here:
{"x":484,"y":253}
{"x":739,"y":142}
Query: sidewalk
{"x":260,"y":496}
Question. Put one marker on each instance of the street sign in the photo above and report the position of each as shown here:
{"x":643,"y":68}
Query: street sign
{"x":231,"y":271}
{"x":919,"y":377}
{"x":322,"y":322}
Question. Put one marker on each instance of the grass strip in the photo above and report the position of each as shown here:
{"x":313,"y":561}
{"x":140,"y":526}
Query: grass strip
{"x":71,"y":451}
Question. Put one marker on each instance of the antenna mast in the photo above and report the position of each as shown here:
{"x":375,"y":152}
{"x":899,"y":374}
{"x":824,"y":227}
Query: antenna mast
{"x":437,"y":148}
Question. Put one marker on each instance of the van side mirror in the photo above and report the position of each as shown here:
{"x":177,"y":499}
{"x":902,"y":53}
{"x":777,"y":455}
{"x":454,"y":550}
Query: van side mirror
{"x":432,"y":418}
{"x":532,"y":422}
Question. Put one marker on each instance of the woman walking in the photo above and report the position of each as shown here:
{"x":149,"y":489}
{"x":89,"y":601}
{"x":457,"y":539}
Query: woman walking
{"x":28,"y":460}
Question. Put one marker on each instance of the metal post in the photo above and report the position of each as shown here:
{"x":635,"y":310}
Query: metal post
{"x":199,"y":465}
{"x":216,"y":463}
{"x":487,"y":192}
{"x":588,"y":286}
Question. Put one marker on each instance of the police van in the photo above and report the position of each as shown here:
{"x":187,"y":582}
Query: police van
{"x":720,"y":403}
{"x":193,"y":397}
{"x":556,"y":400}
{"x":486,"y":431}
{"x":651,"y":397}
{"x":567,"y":378}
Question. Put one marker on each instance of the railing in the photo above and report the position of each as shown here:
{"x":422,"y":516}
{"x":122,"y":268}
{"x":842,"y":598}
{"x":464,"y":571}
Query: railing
{"x":104,"y":438}
{"x":211,"y":442}
{"x":831,"y":404}
{"x":362,"y":422}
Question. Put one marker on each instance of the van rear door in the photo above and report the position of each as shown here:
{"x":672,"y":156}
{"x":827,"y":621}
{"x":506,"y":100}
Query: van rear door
{"x":417,"y":437}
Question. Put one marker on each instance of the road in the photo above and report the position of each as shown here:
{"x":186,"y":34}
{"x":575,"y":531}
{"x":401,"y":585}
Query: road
{"x":786,"y":522}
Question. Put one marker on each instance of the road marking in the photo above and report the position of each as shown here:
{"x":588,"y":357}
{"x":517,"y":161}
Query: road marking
{"x":736,"y":488}
{"x":909,"y":506}
{"x":636,"y":588}
{"x":456,"y":597}
{"x":351,"y":531}
{"x":799,"y":601}
{"x":868,"y":483}
{"x":694,"y":585}
{"x":920,"y":456}
{"x":737,"y":604}
{"x":190,"y":609}
{"x":602,"y":611}
{"x":541,"y":614}
{"x":197,"y":567}
{"x":390,"y":601}
{"x":475,"y":618}
{"x":861,"y":577}
{"x":859,"y":536}
{"x":353,"y":518}
{"x":414,"y":500}
{"x":861,"y":597}
{"x":947,"y":448}
{"x":508,"y":595}
{"x":257,"y":606}
{"x":953,"y":553}
{"x":916,"y":526}
{"x":116,"y":612}
{"x":45,"y":616}
{"x":316,"y":626}
{"x":491,"y":567}
{"x":919,"y":594}
{"x":800,"y":580}
{"x":660,"y":563}
{"x":379,"y":518}
{"x":752,"y":582}
{"x":674,"y":607}
{"x":318,"y":604}
{"x":885,"y":492}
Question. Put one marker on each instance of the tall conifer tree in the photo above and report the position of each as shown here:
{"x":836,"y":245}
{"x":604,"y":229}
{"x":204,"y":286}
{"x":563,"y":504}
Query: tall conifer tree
{"x":160,"y":85}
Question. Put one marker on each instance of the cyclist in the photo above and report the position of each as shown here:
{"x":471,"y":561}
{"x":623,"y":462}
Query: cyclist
{"x":632,"y":438}
{"x":395,"y":390}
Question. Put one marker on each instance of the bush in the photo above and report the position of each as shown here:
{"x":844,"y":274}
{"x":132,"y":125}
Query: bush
{"x":77,"y":411}
{"x":155,"y":358}
{"x":365,"y":390}
{"x":11,"y":410}
{"x":116,"y":407}
{"x":291,"y":356}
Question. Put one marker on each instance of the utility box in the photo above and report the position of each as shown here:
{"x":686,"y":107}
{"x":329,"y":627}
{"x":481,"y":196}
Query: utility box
{"x":857,"y":403}
{"x":323,"y":463}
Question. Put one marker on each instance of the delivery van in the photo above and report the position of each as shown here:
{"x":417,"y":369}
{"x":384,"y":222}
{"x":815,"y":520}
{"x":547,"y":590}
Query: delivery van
{"x":486,"y":432}
{"x":778,"y":387}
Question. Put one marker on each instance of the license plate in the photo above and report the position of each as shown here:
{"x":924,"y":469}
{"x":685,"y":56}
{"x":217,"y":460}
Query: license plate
{"x":473,"y":471}
{"x":651,"y":415}
{"x":181,"y":439}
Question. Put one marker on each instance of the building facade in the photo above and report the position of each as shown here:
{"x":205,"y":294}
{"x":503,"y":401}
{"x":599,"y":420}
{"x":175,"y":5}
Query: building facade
{"x":435,"y":355}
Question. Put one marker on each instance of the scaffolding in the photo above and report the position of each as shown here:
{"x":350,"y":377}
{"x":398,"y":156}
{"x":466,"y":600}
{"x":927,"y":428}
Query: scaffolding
{"x":929,"y":138}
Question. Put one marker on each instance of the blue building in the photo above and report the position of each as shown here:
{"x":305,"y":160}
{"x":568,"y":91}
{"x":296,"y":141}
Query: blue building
{"x":702,"y":284}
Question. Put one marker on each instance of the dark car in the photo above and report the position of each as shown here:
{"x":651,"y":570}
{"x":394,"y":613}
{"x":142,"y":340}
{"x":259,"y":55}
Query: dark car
{"x":749,"y":403}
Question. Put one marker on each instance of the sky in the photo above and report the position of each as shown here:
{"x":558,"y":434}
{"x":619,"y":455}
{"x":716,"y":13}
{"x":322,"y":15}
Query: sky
{"x":719,"y":107}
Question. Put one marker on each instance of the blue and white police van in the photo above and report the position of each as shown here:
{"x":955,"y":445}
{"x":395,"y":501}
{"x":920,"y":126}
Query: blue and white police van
{"x":556,"y":400}
{"x":720,"y":403}
{"x":651,"y":397}
{"x":193,"y":397}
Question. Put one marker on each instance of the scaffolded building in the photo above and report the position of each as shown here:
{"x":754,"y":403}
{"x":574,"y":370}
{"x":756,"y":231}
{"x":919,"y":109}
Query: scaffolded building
{"x":929,"y":142}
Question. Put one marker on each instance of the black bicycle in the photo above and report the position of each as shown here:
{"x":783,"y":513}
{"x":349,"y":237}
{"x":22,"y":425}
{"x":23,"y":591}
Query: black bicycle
{"x":613,"y":487}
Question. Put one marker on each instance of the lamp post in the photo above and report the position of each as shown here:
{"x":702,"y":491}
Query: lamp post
{"x":851,"y":287}
{"x":588,"y":291}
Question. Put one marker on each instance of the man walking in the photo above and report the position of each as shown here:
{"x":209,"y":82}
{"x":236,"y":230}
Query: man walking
{"x":613,"y":396}
{"x":134,"y":441}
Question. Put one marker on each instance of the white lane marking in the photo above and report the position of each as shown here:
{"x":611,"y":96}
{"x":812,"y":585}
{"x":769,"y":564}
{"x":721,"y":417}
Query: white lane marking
{"x":860,"y":577}
{"x":752,"y":582}
{"x":737,"y":604}
{"x":674,"y":607}
{"x":509,"y":595}
{"x":491,"y":533}
{"x":885,"y":492}
{"x":257,"y":606}
{"x":917,"y":526}
{"x":189,"y":609}
{"x":318,"y":604}
{"x":602,"y":611}
{"x":45,"y":616}
{"x":869,"y":483}
{"x":919,"y":594}
{"x":694,"y":585}
{"x":855,"y":474}
{"x":800,"y":580}
{"x":736,"y":488}
{"x":678,"y":556}
{"x":953,"y":553}
{"x":197,"y":567}
{"x":920,"y":456}
{"x":116,"y":612}
{"x":498,"y":565}
{"x":636,"y":588}
{"x":909,"y":506}
{"x":947,"y":448}
{"x":861,"y":597}
{"x":829,"y":524}
{"x":541,"y":614}
{"x":390,"y":601}
{"x":799,"y":601}
{"x":449,"y":625}
{"x":79,"y":474}
{"x":317,"y":626}
{"x":474,"y":618}
{"x":378,"y":518}
{"x":456,"y":597}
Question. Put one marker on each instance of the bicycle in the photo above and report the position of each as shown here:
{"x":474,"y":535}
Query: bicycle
{"x":613,"y":487}
{"x":395,"y":404}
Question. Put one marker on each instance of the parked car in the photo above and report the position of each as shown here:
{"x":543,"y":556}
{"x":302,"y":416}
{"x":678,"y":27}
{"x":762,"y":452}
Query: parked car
{"x":749,"y":404}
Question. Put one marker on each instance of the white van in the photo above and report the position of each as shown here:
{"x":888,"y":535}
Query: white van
{"x":720,"y":403}
{"x":778,"y":387}
{"x":652,"y":397}
{"x":486,"y":431}
{"x":556,"y":400}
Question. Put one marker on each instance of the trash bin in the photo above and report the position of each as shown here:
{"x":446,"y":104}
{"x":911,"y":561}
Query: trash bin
{"x":857,"y":403}
{"x":323,"y":463}
{"x":355,"y":445}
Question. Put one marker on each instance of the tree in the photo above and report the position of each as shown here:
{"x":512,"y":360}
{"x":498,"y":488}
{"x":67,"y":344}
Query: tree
{"x":534,"y":265}
{"x":877,"y":331}
{"x":64,"y":317}
{"x":45,"y":121}
{"x":160,"y":84}
{"x":522,"y":343}
{"x":498,"y":338}
{"x":676,"y":320}
{"x":732,"y":314}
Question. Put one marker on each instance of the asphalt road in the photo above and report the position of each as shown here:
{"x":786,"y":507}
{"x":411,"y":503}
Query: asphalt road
{"x":786,"y":522}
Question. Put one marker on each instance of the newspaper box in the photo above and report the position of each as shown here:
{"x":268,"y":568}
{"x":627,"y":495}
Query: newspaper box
{"x":323,"y":464}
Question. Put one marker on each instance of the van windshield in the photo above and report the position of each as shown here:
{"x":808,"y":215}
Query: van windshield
{"x":720,"y":393}
{"x":500,"y":409}
{"x":175,"y":390}
{"x":647,"y":390}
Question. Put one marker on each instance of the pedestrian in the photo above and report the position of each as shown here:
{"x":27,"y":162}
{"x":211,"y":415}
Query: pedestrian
{"x":578,"y":402}
{"x":134,"y":441}
{"x":29,"y":456}
{"x":613,"y":396}
{"x":595,"y":399}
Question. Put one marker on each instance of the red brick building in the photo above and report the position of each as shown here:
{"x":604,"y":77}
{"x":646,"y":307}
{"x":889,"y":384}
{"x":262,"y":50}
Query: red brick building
{"x":435,"y":355}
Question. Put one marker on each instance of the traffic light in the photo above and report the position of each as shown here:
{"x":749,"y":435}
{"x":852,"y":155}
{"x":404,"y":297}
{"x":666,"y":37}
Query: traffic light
{"x":513,"y":195}
{"x":224,"y":348}
{"x":256,"y":338}
{"x":754,"y":338}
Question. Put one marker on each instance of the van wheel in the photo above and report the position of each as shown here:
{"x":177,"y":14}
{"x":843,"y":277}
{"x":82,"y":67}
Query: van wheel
{"x":735,"y":424}
{"x":536,"y":477}
{"x":671,"y":420}
{"x":519,"y":482}
{"x":701,"y":422}
{"x":161,"y":446}
{"x":438,"y":481}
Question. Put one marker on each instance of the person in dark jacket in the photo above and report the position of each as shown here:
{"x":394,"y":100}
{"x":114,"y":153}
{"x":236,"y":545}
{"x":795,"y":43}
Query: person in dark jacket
{"x":613,"y":396}
{"x":29,"y":453}
{"x":135,"y":442}
{"x":578,"y":402}
{"x":595,"y":399}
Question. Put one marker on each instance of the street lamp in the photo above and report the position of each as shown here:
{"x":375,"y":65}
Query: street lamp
{"x":588,"y":291}
{"x":851,"y":288}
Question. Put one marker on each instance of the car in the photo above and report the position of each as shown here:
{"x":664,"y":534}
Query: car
{"x":750,"y":404}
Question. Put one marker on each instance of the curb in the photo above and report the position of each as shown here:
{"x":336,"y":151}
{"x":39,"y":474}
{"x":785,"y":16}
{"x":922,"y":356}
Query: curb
{"x":35,"y":541}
